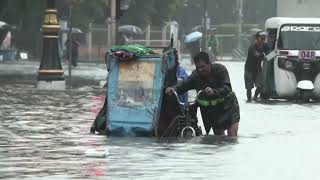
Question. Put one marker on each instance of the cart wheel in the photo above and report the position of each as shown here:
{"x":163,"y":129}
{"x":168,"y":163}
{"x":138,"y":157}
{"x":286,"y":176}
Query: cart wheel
{"x":188,"y":132}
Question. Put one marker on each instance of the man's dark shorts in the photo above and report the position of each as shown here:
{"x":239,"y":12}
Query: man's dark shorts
{"x":252,"y":79}
{"x":223,"y":115}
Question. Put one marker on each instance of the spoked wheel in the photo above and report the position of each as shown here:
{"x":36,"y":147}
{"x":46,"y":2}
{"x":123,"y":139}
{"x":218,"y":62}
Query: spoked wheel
{"x":173,"y":130}
{"x":183,"y":128}
{"x":188,"y":132}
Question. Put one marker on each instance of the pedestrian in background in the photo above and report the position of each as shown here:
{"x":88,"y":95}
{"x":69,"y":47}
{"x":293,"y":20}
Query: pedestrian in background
{"x":194,"y":49}
{"x":253,"y":68}
{"x":74,"y":51}
{"x":213,"y":45}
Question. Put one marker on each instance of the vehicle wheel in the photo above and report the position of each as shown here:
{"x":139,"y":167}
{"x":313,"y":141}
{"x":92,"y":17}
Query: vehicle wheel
{"x":265,"y":96}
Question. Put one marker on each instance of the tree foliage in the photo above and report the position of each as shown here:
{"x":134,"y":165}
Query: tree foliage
{"x":166,"y":10}
{"x":27,"y":15}
{"x":86,"y":11}
{"x":155,"y":12}
{"x":21,"y":12}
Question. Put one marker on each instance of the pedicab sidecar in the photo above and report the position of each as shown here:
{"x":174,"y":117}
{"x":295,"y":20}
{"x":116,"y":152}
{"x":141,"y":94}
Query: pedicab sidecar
{"x":135,"y":103}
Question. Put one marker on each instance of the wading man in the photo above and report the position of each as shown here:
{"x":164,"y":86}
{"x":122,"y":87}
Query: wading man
{"x":218,"y":103}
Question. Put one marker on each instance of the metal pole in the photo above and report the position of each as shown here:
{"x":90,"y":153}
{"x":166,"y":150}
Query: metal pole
{"x":240,"y":15}
{"x":113,"y":22}
{"x":164,"y":34}
{"x":148,"y":34}
{"x":90,"y":42}
{"x":204,"y":33}
{"x":70,"y":46}
{"x":109,"y":44}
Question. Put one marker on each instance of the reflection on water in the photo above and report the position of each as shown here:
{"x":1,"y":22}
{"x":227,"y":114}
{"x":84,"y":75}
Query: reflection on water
{"x":45,"y":134}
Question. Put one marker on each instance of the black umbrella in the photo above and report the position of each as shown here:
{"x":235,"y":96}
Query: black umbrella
{"x":130,"y":30}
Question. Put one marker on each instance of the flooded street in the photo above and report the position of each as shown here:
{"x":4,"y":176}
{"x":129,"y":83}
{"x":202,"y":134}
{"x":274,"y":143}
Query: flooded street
{"x":45,"y":134}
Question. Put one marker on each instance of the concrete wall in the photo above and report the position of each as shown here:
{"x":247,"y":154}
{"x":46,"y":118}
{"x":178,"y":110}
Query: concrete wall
{"x":298,"y":8}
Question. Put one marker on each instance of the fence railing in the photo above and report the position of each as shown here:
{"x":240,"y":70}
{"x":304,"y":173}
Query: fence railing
{"x":98,"y":40}
{"x":99,"y":36}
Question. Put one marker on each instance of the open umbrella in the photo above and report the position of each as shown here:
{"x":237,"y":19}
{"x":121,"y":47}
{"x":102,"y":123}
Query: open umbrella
{"x":130,"y":30}
{"x":3,"y":25}
{"x":250,"y":35}
{"x":252,"y":32}
{"x":73,"y":30}
{"x":194,"y":36}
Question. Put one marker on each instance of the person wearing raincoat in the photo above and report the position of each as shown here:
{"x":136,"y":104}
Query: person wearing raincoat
{"x":74,"y":51}
{"x":194,"y":48}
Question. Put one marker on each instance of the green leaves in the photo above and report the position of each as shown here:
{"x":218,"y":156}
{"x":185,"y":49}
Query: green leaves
{"x":151,"y":11}
{"x":85,"y":12}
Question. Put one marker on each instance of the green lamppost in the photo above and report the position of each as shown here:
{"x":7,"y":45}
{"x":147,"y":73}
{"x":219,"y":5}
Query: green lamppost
{"x":50,"y":73}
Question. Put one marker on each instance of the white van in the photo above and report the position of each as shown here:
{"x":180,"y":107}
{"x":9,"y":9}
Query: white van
{"x":291,"y":69}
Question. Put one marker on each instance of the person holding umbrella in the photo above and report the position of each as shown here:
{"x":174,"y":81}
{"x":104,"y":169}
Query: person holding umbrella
{"x":127,"y":32}
{"x":192,"y":42}
{"x":123,"y":39}
{"x":194,"y":48}
{"x":74,"y":50}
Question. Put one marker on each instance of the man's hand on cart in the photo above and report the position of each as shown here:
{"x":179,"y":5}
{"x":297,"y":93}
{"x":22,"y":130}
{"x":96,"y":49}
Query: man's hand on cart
{"x":211,"y":92}
{"x":169,"y":90}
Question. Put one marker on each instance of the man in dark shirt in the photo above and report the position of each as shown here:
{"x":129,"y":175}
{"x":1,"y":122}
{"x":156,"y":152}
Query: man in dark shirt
{"x":219,"y":105}
{"x":253,"y":69}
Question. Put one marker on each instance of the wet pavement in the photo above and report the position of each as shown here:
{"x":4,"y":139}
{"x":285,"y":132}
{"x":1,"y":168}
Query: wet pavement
{"x":28,"y":70}
{"x":45,"y":135}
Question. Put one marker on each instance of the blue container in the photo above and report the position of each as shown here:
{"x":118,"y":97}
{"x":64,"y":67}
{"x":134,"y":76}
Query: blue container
{"x":8,"y":55}
{"x":134,"y":91}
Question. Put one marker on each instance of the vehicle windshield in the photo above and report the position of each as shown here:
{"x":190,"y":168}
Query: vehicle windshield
{"x":135,"y":85}
{"x":299,"y":37}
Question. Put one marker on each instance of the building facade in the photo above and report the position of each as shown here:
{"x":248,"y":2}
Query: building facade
{"x":298,"y":8}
